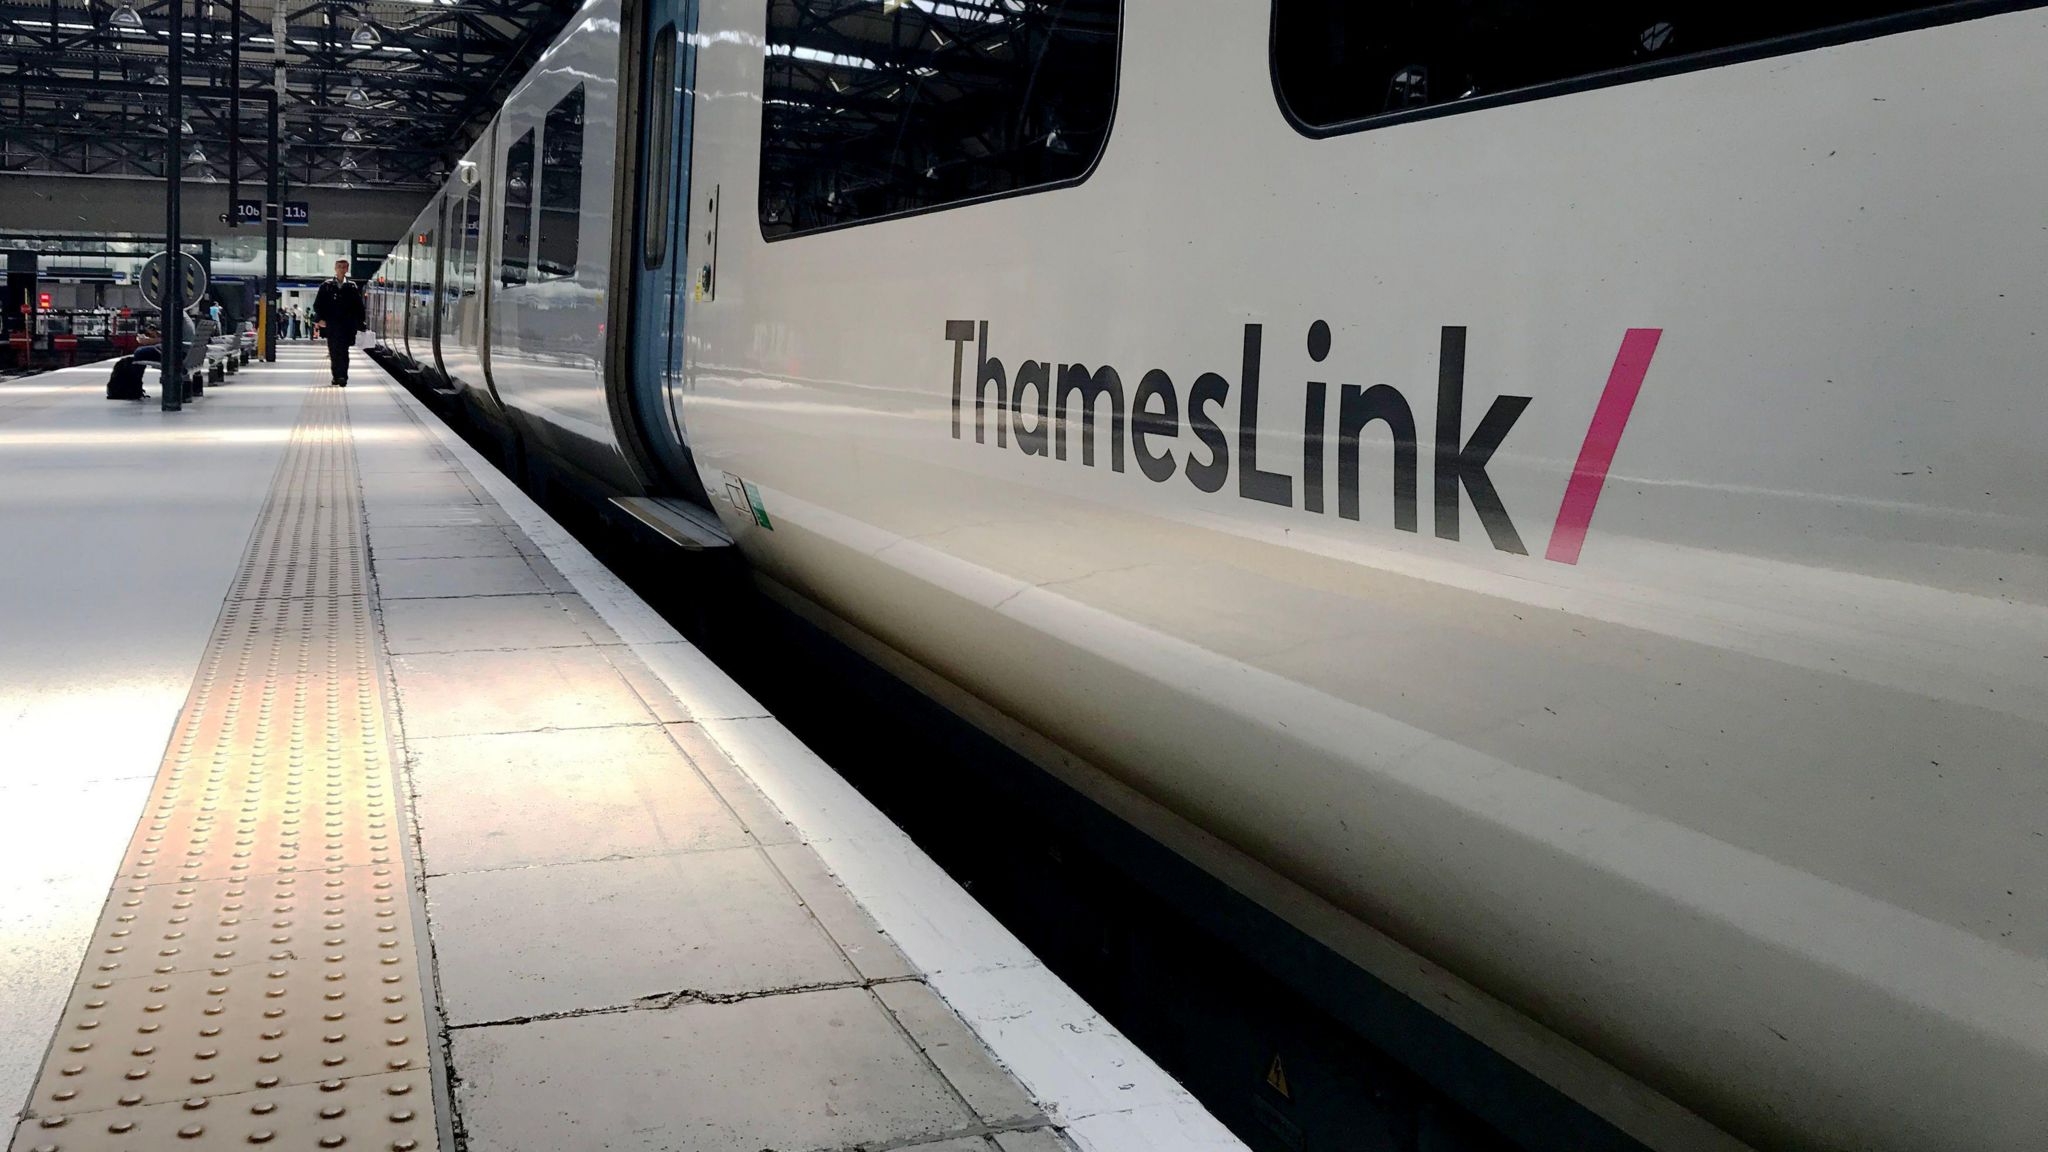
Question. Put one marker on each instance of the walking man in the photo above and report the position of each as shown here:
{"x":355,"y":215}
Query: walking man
{"x":339,"y":308}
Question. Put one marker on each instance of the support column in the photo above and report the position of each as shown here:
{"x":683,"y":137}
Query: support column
{"x":174,"y":170}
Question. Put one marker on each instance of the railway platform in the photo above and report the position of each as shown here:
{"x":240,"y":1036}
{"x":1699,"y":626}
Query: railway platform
{"x":347,"y":802}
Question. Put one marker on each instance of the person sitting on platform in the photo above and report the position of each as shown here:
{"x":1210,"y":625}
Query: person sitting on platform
{"x":149,"y":345}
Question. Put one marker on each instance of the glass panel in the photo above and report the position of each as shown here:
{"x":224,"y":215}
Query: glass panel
{"x":1337,"y":61}
{"x":420,"y":319}
{"x":518,"y":211}
{"x":561,"y":186}
{"x":661,"y":100}
{"x":877,"y":109}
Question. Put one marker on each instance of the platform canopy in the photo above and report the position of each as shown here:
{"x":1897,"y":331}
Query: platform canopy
{"x":376,"y":94}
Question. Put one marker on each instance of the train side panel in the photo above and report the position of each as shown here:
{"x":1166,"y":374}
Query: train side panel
{"x":1726,"y":766}
{"x":552,"y":263}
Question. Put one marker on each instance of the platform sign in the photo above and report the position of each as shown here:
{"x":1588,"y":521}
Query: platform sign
{"x":297,"y":214}
{"x":153,"y":279}
{"x":248,"y":211}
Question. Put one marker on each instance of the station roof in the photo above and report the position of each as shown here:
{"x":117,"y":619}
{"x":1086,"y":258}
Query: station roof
{"x":383,"y":93}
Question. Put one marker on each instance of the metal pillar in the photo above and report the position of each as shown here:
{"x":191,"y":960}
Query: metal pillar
{"x":174,"y":266}
{"x":234,"y":109}
{"x":273,"y":209}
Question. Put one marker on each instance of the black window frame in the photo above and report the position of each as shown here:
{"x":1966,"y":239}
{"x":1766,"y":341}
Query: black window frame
{"x":1108,"y":135}
{"x":1931,"y":17}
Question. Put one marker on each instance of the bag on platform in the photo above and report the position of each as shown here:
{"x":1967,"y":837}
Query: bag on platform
{"x":126,"y":381}
{"x":366,"y":339}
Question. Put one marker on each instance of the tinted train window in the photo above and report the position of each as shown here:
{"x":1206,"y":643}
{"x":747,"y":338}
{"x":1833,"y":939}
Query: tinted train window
{"x":518,"y":232}
{"x":471,"y":244}
{"x":661,"y":102}
{"x":1337,"y":63}
{"x":420,"y":319}
{"x":561,"y":185}
{"x":877,"y":109}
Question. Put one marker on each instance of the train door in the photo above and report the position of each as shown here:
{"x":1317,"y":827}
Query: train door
{"x":668,"y":66}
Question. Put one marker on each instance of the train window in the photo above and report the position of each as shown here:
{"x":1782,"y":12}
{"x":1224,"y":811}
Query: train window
{"x":472,"y":243}
{"x":1339,"y":65}
{"x":561,"y":186}
{"x":661,"y":101}
{"x":874,"y":110}
{"x":420,"y":320}
{"x":518,"y":233}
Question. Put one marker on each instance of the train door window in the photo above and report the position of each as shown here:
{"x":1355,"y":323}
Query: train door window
{"x":661,"y":100}
{"x":1339,"y":65}
{"x":518,"y":232}
{"x":472,"y":242}
{"x":462,"y":277}
{"x":561,"y":186}
{"x":876,"y":110}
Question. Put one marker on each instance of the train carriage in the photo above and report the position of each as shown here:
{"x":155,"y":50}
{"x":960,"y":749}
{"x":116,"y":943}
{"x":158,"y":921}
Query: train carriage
{"x":1556,"y":491}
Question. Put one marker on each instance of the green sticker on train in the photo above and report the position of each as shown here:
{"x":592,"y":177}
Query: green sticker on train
{"x":754,"y":502}
{"x":745,"y":497}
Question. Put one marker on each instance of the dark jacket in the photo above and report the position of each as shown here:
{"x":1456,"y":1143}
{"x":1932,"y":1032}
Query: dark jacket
{"x":340,"y":307}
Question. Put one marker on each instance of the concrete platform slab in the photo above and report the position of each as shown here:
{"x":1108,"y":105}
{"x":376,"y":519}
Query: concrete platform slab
{"x":995,"y":1096}
{"x":813,"y":1071}
{"x":474,"y":693}
{"x":762,"y":819}
{"x":441,"y":516}
{"x":414,"y":543}
{"x":445,"y":576}
{"x":866,"y":946}
{"x":479,"y":624}
{"x":531,"y":798}
{"x":384,"y":490}
{"x":564,"y":938}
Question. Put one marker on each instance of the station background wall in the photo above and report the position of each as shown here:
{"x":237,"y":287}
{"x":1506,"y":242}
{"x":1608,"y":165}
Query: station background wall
{"x":37,"y":203}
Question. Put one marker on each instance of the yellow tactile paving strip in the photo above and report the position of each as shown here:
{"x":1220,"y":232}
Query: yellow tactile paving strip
{"x":254,"y":980}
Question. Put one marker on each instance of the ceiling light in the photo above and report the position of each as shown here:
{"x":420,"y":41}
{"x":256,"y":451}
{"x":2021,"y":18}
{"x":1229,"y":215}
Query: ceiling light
{"x":198,"y":155}
{"x":348,"y":162}
{"x":159,"y":78}
{"x":125,"y":19}
{"x":357,"y":96}
{"x":350,"y":135}
{"x":365,"y":36}
{"x":185,"y":126}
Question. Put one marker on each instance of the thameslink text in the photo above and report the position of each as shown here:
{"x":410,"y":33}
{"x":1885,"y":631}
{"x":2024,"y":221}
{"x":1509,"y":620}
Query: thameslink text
{"x":1032,"y":405}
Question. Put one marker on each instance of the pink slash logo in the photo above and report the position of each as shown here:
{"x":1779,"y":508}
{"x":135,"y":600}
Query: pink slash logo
{"x":1610,"y":417}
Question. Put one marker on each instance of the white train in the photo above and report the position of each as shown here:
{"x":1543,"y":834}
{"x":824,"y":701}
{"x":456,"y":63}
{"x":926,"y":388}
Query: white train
{"x":1555,"y":501}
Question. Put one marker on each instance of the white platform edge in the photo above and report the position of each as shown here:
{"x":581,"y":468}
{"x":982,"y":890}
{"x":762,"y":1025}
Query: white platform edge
{"x":1093,"y":1082}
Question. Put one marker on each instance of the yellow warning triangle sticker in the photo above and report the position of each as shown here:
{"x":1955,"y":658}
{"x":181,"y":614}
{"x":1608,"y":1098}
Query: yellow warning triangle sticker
{"x":1276,"y":1076}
